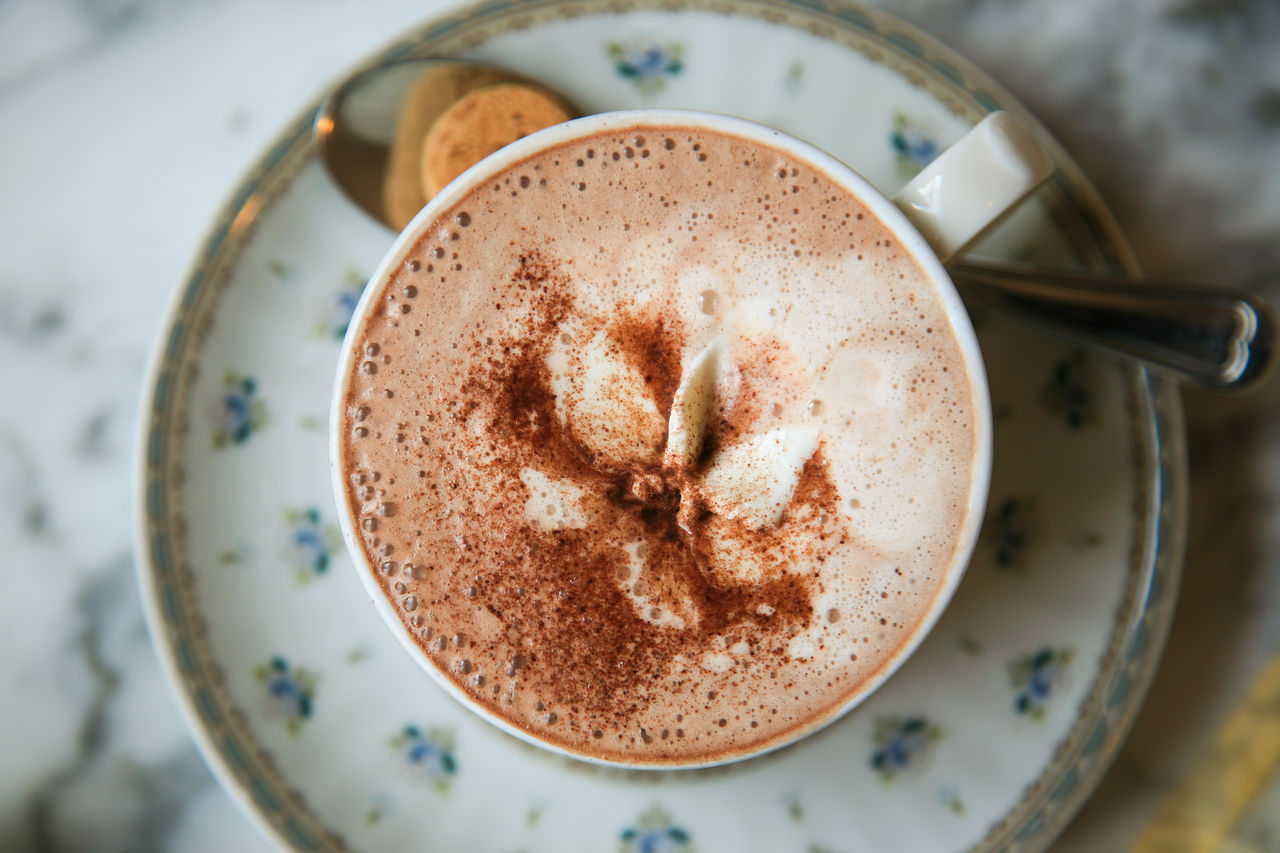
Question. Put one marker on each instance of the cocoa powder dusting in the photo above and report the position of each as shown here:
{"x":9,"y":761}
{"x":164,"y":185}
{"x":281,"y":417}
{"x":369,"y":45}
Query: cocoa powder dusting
{"x":592,"y":646}
{"x":653,"y":346}
{"x":815,"y":487}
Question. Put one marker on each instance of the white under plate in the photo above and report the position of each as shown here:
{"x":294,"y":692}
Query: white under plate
{"x":992,"y":734}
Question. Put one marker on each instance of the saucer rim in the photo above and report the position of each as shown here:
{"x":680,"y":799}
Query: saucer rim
{"x":1133,"y":650}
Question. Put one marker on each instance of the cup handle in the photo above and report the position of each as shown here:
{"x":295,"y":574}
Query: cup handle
{"x":973,"y":183}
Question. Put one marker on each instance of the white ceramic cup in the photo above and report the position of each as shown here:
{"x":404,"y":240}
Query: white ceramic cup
{"x":945,"y":208}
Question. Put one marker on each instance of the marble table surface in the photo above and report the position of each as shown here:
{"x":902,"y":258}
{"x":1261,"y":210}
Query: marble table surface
{"x":122,"y":124}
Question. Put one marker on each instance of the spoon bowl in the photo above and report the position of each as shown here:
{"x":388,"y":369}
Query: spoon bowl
{"x":357,"y":125}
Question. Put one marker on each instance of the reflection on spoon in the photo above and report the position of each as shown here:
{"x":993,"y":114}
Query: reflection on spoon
{"x":1200,"y":334}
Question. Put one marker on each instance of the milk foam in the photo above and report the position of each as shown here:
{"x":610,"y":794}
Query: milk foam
{"x":691,"y":445}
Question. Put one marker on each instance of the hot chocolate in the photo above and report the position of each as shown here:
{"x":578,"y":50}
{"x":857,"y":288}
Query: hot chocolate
{"x":660,"y":444}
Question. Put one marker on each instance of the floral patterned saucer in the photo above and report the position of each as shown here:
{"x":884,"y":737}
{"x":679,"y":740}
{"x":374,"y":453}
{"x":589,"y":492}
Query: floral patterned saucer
{"x":331,"y":738}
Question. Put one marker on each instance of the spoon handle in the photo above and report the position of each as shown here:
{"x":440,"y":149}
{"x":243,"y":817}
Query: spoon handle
{"x":1201,"y":334}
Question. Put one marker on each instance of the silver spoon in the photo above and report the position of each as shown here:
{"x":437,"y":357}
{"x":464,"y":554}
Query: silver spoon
{"x":1198,"y":334}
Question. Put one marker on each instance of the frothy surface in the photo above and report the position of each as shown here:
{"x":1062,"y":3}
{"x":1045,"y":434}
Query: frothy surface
{"x":509,"y":445}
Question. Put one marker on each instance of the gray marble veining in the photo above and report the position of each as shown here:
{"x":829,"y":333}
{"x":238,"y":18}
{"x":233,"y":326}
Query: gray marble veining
{"x":122,"y":122}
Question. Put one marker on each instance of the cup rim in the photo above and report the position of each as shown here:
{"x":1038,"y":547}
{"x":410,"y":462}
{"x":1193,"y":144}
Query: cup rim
{"x":894,"y":219}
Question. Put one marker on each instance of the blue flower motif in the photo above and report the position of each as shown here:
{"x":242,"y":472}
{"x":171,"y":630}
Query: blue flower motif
{"x":793,"y":82}
{"x":1008,"y":530}
{"x":1035,"y":677}
{"x":1069,"y":392}
{"x":343,"y":307}
{"x":654,"y":833}
{"x":913,"y":145}
{"x":647,"y":64}
{"x":306,"y":538}
{"x":428,"y":755}
{"x":309,"y":543}
{"x":237,"y":412}
{"x":290,"y":691}
{"x":902,"y":744}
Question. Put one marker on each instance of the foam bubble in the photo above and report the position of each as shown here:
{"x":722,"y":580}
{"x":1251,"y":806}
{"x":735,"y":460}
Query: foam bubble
{"x":553,"y":504}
